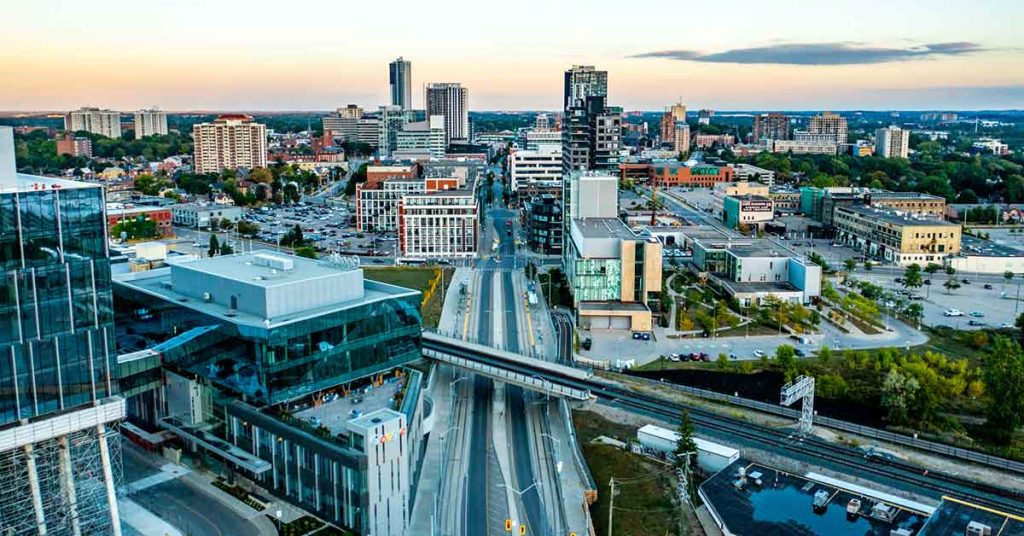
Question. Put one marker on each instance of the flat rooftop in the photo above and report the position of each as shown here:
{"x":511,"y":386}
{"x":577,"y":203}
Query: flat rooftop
{"x":247,"y":268}
{"x":953,"y":515}
{"x":782,"y":505}
{"x":895,"y":217}
{"x":612,"y":306}
{"x":603,"y":228}
{"x":338,"y":410}
{"x":761,"y":286}
{"x":29,"y":183}
{"x":970,"y":245}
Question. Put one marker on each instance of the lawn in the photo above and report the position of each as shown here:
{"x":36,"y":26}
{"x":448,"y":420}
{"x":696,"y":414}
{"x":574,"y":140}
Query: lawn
{"x":417,"y":278}
{"x":644,"y":488}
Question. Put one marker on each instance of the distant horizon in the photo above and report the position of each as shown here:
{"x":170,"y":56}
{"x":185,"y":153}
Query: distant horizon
{"x":9,"y":114}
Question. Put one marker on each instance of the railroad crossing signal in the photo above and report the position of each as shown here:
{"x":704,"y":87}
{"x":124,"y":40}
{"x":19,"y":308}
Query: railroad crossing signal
{"x":508,"y":525}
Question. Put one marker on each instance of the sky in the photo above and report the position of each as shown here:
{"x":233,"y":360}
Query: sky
{"x":318,"y":55}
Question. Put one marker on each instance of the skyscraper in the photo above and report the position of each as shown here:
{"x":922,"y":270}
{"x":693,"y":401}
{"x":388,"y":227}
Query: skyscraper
{"x":400,"y":77}
{"x":451,"y":100}
{"x":591,"y":130}
{"x":59,"y":445}
{"x":772,"y":126}
{"x":673,"y":114}
{"x":103,"y":122}
{"x":390,"y":121}
{"x":892,"y":142}
{"x":833,"y":125}
{"x":150,"y":122}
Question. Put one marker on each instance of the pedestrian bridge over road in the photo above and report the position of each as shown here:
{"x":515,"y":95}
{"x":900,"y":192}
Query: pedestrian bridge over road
{"x":528,"y":372}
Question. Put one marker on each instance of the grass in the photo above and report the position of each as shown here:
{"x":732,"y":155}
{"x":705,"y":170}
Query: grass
{"x":643,"y":499}
{"x":309,"y":525}
{"x":416,"y":278}
{"x":238,"y":493}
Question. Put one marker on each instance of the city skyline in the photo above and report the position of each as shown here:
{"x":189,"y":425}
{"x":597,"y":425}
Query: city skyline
{"x":730,"y":56}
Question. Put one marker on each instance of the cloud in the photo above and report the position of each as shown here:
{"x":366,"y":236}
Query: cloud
{"x":819,"y":53}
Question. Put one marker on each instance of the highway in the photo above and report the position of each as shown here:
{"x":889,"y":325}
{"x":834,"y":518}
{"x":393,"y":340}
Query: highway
{"x":811,"y":450}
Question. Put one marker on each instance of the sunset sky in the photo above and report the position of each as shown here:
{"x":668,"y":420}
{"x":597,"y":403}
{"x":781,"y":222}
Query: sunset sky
{"x":318,"y":55}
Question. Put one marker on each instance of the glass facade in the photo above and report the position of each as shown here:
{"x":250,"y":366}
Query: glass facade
{"x":274,"y":364}
{"x":56,"y":312}
{"x":597,"y":280}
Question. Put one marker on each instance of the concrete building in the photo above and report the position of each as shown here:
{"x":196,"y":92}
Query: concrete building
{"x":722,"y":190}
{"x":60,"y":410}
{"x":747,"y":172}
{"x":119,"y":213}
{"x":990,"y":145}
{"x":591,"y":130}
{"x":199,"y":216}
{"x":892,"y":142}
{"x":400,"y":81}
{"x":703,"y":141}
{"x":749,"y":211}
{"x":378,"y":173}
{"x":896,"y":236}
{"x":675,"y":173}
{"x":535,"y":139}
{"x":820,"y":203}
{"x":150,"y":123}
{"x":229,"y":142}
{"x":351,"y":124}
{"x":612,"y":271}
{"x":289,"y":372}
{"x":423,"y":136}
{"x":377,"y":205}
{"x":804,"y":142}
{"x":771,"y":126}
{"x":681,"y":138}
{"x":704,"y":116}
{"x":540,"y":169}
{"x":390,"y":121}
{"x":751,"y":270}
{"x":74,"y":145}
{"x":831,"y":125}
{"x":669,"y":120}
{"x":451,"y":101}
{"x":94,"y":120}
{"x":443,"y":224}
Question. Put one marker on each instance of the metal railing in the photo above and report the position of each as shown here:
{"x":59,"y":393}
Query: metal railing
{"x":531,"y":382}
{"x":846,"y":426}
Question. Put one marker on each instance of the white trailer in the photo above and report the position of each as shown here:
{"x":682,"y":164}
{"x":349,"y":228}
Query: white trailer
{"x":711,"y":457}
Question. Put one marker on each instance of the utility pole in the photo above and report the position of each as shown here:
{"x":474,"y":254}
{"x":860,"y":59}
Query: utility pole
{"x":611,"y":504}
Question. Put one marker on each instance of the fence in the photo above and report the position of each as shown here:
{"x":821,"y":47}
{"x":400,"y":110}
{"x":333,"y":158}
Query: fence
{"x":874,"y":433}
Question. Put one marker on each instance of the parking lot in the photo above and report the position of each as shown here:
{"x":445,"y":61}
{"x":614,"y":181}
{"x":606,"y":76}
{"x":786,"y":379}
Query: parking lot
{"x":997,"y":305}
{"x":329,"y":228}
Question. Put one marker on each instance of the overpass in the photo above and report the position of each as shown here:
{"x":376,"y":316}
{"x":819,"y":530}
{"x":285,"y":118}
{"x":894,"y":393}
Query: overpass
{"x":528,"y":372}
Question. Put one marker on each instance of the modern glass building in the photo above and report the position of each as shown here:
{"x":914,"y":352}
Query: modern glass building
{"x":288,"y":371}
{"x":58,"y":435}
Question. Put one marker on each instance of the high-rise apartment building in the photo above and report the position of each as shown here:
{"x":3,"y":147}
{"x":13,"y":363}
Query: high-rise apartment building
{"x":892,"y":142}
{"x":103,"y":122}
{"x":681,"y":137}
{"x":772,"y":126}
{"x":150,"y":123}
{"x":591,"y":130}
{"x":673,"y":115}
{"x":831,"y":124}
{"x":59,"y":411}
{"x":229,"y":142}
{"x":400,"y":78}
{"x":451,"y":100}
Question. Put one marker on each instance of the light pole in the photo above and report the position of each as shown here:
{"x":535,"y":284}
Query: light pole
{"x":520,"y":494}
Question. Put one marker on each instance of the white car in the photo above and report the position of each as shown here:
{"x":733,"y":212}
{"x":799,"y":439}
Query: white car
{"x":953,"y":312}
{"x":759,"y":353}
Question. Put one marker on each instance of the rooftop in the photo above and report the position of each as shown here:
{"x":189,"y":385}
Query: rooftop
{"x":769,"y":502}
{"x":987,"y":248}
{"x":336,"y":410}
{"x":893,"y":216}
{"x":266,"y":268}
{"x":953,"y":515}
{"x":603,"y":228}
{"x":612,"y":306}
{"x":29,"y":183}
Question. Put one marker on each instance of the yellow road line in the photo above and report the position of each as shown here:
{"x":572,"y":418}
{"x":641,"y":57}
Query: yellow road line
{"x":465,"y":320}
{"x":529,"y":323}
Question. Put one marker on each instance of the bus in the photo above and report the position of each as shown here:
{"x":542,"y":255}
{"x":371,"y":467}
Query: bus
{"x":410,"y":261}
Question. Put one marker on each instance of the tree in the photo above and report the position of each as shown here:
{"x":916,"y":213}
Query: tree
{"x":214,"y":246}
{"x":1008,"y":275}
{"x":850,"y":265}
{"x":686,"y":450}
{"x":226,"y":249}
{"x":868,"y":265}
{"x":1003,"y":374}
{"x":951,"y":285}
{"x":915,"y":311}
{"x":293,"y":237}
{"x":247,"y":228}
{"x":785,"y":358}
{"x":898,"y":392}
{"x":306,"y":251}
{"x":912,"y":277}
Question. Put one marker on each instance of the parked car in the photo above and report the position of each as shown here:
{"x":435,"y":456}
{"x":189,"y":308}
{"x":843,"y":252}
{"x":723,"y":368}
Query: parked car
{"x":1006,"y":325}
{"x":976,"y":323}
{"x":587,"y":343}
{"x":674,"y":358}
{"x":899,"y":280}
{"x":988,"y":286}
{"x":645,"y":336}
{"x":636,"y":335}
{"x":694,"y":356}
{"x":977,"y":314}
{"x":927,"y":281}
{"x":759,"y":353}
{"x":800,"y":353}
{"x":965,"y":281}
{"x":953,"y":312}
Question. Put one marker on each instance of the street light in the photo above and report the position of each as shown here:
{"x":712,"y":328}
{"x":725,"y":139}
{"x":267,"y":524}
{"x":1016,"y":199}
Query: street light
{"x":558,"y":450}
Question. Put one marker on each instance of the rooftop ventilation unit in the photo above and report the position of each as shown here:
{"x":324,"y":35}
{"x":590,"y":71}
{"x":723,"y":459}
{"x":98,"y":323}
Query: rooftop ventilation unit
{"x":975,"y":528}
{"x":270,"y":261}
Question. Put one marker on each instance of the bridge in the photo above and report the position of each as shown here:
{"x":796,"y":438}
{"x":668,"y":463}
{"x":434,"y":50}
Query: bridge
{"x":528,"y":372}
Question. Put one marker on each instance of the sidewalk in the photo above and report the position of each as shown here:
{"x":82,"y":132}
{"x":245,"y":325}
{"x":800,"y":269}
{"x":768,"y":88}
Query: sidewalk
{"x":427,"y":488}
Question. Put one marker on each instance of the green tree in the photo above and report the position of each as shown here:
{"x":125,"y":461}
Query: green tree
{"x":293,"y":238}
{"x":868,"y":265}
{"x":1008,"y":276}
{"x":1003,"y":374}
{"x":214,"y":246}
{"x":850,"y":265}
{"x":306,"y":251}
{"x":912,"y":277}
{"x":226,"y":249}
{"x":686,"y":450}
{"x":785,"y":358}
{"x":898,"y":392}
